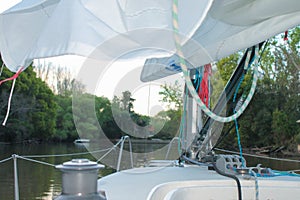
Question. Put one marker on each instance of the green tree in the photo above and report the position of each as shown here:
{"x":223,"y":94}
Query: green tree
{"x":171,"y":119}
{"x":84,"y":115}
{"x":126,"y":102}
{"x":65,"y":127}
{"x":270,"y":118}
{"x":33,"y":108}
{"x":172,"y":95}
{"x":103,"y":108}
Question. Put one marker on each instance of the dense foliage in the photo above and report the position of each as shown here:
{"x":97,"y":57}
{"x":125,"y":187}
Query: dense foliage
{"x":39,"y":115}
{"x":270,"y":119}
{"x":33,"y":108}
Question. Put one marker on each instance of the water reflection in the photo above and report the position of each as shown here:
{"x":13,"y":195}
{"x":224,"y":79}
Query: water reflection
{"x":36,"y":181}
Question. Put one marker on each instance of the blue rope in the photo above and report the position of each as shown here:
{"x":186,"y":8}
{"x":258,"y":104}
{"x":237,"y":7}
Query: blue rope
{"x":246,"y":67}
{"x":198,"y":78}
{"x":236,"y":123}
{"x":274,"y":173}
{"x":237,"y":89}
{"x":239,"y":141}
{"x":284,"y":173}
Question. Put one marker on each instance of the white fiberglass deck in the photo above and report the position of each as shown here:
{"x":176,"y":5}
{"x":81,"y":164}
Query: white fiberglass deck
{"x":192,"y":182}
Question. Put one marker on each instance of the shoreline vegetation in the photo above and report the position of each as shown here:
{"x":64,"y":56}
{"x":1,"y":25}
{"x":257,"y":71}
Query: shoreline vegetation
{"x":270,"y":151}
{"x":43,"y":112}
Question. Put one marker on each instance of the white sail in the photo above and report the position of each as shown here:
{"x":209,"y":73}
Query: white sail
{"x":44,"y":28}
{"x":229,"y":26}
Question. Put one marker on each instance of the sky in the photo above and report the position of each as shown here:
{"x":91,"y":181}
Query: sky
{"x":5,"y":4}
{"x":118,"y":75}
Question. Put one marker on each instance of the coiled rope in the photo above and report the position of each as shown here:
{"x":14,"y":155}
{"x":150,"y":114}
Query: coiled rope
{"x":187,"y":78}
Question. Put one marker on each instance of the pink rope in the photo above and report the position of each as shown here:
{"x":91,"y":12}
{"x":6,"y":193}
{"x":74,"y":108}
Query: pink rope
{"x":204,"y":87}
{"x":13,"y":77}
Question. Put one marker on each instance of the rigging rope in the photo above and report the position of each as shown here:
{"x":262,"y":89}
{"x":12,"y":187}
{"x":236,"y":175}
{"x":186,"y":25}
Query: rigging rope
{"x":234,"y":110}
{"x":286,"y":36}
{"x":14,"y":77}
{"x":9,"y":103}
{"x":187,"y":78}
{"x":204,"y":86}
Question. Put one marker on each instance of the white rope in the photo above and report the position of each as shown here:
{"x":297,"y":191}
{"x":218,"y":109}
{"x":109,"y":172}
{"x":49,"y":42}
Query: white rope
{"x":189,"y":84}
{"x":256,"y":184}
{"x":9,"y":102}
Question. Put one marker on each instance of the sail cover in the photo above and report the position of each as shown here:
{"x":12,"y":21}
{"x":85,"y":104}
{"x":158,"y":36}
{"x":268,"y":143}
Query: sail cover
{"x":210,"y":29}
{"x":44,"y":28}
{"x":229,"y":26}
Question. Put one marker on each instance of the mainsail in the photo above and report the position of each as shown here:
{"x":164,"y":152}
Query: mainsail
{"x":210,"y":29}
{"x":44,"y":28}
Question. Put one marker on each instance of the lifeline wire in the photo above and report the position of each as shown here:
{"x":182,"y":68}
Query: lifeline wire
{"x":187,"y":78}
{"x":67,"y":154}
{"x":36,"y":161}
{"x":4,"y":160}
{"x":27,"y":157}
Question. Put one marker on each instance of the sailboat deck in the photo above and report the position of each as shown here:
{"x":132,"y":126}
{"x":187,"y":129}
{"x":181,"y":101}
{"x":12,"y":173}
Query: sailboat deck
{"x":191,"y":182}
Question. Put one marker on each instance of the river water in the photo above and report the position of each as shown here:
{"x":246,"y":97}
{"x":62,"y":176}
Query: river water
{"x":38,"y":181}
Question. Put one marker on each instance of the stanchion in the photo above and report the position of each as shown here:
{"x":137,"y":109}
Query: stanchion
{"x":14,"y":156}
